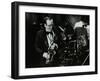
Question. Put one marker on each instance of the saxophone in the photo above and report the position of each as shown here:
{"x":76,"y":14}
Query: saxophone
{"x":51,"y":53}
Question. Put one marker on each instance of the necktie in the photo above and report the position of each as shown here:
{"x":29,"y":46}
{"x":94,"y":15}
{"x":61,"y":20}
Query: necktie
{"x":49,"y":33}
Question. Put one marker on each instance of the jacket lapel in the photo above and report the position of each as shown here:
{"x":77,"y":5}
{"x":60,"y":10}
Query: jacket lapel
{"x":46,"y":41}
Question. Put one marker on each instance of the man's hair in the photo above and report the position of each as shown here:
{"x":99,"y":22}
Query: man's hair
{"x":47,"y":18}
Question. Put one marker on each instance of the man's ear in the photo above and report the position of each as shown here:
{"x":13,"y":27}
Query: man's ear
{"x":45,"y":25}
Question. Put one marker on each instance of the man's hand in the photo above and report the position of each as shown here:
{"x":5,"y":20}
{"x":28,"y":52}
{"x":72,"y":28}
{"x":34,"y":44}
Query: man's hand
{"x":46,"y":55}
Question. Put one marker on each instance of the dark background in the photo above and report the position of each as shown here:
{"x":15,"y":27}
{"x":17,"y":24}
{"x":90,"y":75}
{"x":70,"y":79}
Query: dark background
{"x":34,"y":22}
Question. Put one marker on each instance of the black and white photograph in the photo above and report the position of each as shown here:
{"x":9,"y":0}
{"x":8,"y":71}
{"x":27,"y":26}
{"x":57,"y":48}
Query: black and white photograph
{"x":50,"y":40}
{"x":56,"y":40}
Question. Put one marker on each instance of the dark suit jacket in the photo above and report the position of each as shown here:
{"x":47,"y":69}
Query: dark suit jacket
{"x":41,"y":43}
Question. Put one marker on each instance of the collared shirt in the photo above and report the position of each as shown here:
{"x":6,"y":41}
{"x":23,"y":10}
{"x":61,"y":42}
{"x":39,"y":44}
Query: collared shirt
{"x":50,"y":38}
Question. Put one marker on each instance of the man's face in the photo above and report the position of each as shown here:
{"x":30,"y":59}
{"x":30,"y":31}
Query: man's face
{"x":49,"y":25}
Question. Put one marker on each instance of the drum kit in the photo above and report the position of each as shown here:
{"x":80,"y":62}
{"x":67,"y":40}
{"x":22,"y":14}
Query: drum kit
{"x":74,"y":52}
